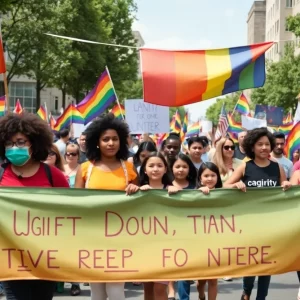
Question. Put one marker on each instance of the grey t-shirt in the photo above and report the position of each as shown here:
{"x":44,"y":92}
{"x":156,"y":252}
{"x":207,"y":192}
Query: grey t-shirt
{"x":286,"y":164}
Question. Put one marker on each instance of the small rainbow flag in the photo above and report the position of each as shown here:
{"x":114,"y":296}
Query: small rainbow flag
{"x":292,"y":141}
{"x":161,"y":137}
{"x":286,"y":128}
{"x":193,"y":130}
{"x":70,"y":116}
{"x":42,"y":113}
{"x":52,"y":121}
{"x":288,"y":118}
{"x":18,"y":108}
{"x":176,"y":78}
{"x":118,"y":111}
{"x":242,"y":106}
{"x":101,"y":96}
{"x":184,"y":126}
{"x":175,"y":125}
{"x":234,"y":128}
{"x":2,"y":106}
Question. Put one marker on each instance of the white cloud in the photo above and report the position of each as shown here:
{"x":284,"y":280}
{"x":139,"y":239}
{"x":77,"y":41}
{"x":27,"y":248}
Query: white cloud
{"x":138,"y":26}
{"x":176,"y":43}
{"x":229,"y":12}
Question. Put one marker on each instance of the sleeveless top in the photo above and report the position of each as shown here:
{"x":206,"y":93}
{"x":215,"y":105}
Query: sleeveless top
{"x":256,"y":176}
{"x":191,"y":186}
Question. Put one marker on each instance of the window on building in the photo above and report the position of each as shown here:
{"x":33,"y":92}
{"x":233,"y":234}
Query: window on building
{"x":286,"y":25}
{"x":56,"y":104}
{"x":277,"y":27}
{"x":25,"y":92}
{"x":277,"y":5}
{"x":289,"y":3}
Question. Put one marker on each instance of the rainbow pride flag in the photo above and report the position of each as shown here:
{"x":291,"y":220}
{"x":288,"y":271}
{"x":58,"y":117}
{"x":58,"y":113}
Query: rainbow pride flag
{"x":176,"y":78}
{"x":118,"y":111}
{"x":293,"y":141}
{"x":287,"y":119}
{"x":99,"y":99}
{"x":160,"y":138}
{"x":193,"y":130}
{"x":2,"y":106}
{"x":184,"y":126}
{"x":70,"y":116}
{"x":52,"y":121}
{"x":175,"y":125}
{"x":234,"y":128}
{"x":242,"y":106}
{"x":286,"y":128}
{"x":42,"y":113}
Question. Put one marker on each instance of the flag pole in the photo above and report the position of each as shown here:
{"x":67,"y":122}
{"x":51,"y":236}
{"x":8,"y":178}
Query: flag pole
{"x":106,"y":68}
{"x":47,"y":118}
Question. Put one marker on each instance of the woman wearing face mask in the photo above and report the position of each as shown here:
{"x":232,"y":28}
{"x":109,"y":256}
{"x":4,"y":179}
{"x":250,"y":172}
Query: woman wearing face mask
{"x":25,"y":141}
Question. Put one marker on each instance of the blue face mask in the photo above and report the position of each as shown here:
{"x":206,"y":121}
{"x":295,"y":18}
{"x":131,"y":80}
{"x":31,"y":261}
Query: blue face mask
{"x":18,"y":156}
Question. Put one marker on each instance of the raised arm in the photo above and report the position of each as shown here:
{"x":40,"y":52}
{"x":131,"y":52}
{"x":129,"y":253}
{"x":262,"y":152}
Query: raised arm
{"x":234,"y":181}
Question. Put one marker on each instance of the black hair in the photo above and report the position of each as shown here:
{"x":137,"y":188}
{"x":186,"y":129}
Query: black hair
{"x":144,"y":146}
{"x":97,"y":129}
{"x":212,"y":167}
{"x":83,"y":133}
{"x":192,"y":175}
{"x":34,"y":128}
{"x":204,"y":139}
{"x":173,"y":136}
{"x":196,"y":139}
{"x":279,"y":135}
{"x":64,"y":133}
{"x":166,"y":179}
{"x":253,"y":136}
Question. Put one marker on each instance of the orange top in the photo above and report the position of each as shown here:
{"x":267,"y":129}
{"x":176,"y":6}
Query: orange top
{"x":108,"y":180}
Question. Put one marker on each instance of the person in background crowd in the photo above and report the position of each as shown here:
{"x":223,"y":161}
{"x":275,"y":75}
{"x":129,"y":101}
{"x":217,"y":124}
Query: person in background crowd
{"x":196,"y":147}
{"x":107,"y":169}
{"x":133,"y":145}
{"x":82,"y":148}
{"x":171,"y":147}
{"x":260,"y":171}
{"x":143,"y":152}
{"x":25,"y":141}
{"x":277,"y":154}
{"x":223,"y":158}
{"x":55,"y":159}
{"x":296,"y":156}
{"x":239,"y":152}
{"x":144,"y":137}
{"x":61,"y":144}
{"x":204,"y":156}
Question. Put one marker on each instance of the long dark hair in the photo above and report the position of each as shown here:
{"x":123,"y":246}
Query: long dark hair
{"x":144,"y":146}
{"x":166,"y":179}
{"x":212,"y":167}
{"x":192,"y":175}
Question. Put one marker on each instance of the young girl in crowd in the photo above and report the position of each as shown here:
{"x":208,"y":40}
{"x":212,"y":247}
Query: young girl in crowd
{"x":209,"y":179}
{"x":155,"y":174}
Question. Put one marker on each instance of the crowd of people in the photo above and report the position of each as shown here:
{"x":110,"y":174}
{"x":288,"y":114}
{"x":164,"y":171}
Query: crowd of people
{"x":106,"y":157}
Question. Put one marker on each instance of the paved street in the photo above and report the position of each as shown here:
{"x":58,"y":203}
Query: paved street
{"x":283,"y":287}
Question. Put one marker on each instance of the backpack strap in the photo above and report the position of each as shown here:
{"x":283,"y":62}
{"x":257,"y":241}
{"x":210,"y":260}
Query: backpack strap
{"x":2,"y":169}
{"x":48,"y":173}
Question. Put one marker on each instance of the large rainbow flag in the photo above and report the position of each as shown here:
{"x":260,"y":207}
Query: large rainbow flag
{"x":286,"y":128}
{"x":2,"y":106}
{"x":99,"y":99}
{"x":293,"y":141}
{"x":242,"y":106}
{"x":176,"y":78}
{"x":193,"y":130}
{"x":70,"y":116}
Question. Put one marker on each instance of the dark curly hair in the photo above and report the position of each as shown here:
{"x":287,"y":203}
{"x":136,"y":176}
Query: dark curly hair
{"x":35,"y":129}
{"x":253,"y":136}
{"x":167,"y":178}
{"x":97,"y":129}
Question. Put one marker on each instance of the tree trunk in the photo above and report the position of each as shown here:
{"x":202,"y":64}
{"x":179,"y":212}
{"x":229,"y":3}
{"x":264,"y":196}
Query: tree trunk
{"x":38,"y":94}
{"x":63,"y":92}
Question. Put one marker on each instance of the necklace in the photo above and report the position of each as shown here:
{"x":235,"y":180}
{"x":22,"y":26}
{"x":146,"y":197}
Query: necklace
{"x":72,"y":170}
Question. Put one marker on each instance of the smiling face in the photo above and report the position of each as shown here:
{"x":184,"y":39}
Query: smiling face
{"x":262,"y":148}
{"x":155,"y":168}
{"x":228,"y":149}
{"x":109,"y":143}
{"x":72,"y":153}
{"x":209,"y":178}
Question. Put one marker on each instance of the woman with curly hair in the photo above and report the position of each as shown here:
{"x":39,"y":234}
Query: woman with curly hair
{"x":25,"y":141}
{"x":107,"y":169}
{"x":259,"y":172}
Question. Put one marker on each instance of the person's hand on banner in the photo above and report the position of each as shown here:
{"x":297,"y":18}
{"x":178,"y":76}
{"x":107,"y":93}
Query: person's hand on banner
{"x":286,"y":185}
{"x":204,"y":190}
{"x":241,"y":186}
{"x":131,"y":189}
{"x":145,"y":187}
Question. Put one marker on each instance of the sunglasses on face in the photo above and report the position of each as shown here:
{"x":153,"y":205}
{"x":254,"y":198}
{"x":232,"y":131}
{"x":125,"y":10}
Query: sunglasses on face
{"x":51,"y":153}
{"x":71,"y":154}
{"x":229,"y":147}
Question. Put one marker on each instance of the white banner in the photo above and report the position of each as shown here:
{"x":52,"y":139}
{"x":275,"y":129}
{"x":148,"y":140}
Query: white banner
{"x":251,"y":123}
{"x":146,"y":118}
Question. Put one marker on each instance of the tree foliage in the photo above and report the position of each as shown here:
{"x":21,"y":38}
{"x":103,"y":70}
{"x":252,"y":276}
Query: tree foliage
{"x":282,"y":83}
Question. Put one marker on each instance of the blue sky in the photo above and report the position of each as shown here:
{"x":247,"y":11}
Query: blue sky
{"x":193,"y":24}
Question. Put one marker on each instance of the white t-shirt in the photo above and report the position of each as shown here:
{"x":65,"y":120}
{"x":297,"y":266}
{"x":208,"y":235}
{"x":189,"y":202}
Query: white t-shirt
{"x":61,"y":147}
{"x":286,"y":164}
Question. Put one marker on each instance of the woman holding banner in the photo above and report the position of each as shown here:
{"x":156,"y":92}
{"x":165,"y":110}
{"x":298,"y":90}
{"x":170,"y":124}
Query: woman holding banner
{"x":25,"y":141}
{"x":107,"y":169}
{"x":260,"y":172}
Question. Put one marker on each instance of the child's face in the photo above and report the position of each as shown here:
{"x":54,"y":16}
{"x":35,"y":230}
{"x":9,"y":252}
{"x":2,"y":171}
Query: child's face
{"x":155,"y":168}
{"x":196,"y":150}
{"x":209,"y":179}
{"x":180,"y":169}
